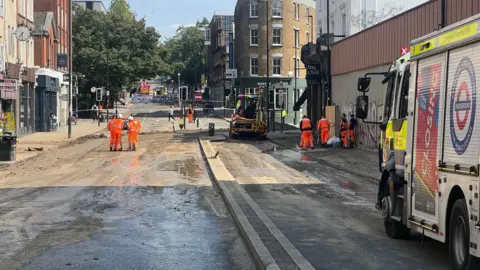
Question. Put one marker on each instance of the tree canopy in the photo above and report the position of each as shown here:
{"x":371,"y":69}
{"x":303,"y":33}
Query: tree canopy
{"x":130,"y":49}
{"x":121,"y":8}
{"x":186,"y":54}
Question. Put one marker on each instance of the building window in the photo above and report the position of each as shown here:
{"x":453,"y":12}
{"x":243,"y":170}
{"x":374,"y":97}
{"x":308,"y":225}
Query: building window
{"x":277,"y":66}
{"x":253,"y":9}
{"x":11,"y":45}
{"x":253,"y":36}
{"x":1,"y":8}
{"x":296,"y":63}
{"x":344,"y":24}
{"x":277,"y":36}
{"x":307,"y":16}
{"x":297,"y":38}
{"x":297,"y":14}
{"x":253,"y":65}
{"x":21,"y":7}
{"x":319,"y":26}
{"x":295,"y":10}
{"x":280,"y":98}
{"x":277,"y":8}
{"x":58,"y":16}
{"x":251,"y":91}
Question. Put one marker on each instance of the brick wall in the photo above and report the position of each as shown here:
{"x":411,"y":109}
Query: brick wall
{"x":243,"y":22}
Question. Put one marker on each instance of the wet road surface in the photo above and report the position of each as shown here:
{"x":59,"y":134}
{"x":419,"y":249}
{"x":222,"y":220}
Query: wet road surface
{"x":83,"y":207}
{"x":327,"y":214}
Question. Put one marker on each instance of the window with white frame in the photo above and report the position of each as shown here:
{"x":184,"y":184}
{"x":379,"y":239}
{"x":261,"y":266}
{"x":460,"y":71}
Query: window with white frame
{"x":2,"y":14}
{"x":307,"y":16}
{"x":58,"y":16}
{"x":280,"y":98}
{"x":21,"y":7}
{"x":297,"y":37}
{"x":307,"y":37}
{"x":251,"y":91}
{"x":277,"y":65}
{"x":11,"y":41}
{"x":254,"y":36}
{"x":277,"y":8}
{"x":30,"y":9}
{"x":253,"y":9}
{"x":277,"y":36}
{"x":297,"y":15}
{"x":254,"y":65}
{"x":344,"y":24}
{"x":295,"y":10}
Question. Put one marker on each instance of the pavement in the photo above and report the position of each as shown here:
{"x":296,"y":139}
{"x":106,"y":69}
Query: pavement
{"x":35,"y":144}
{"x":308,"y":214}
{"x":84,"y":207}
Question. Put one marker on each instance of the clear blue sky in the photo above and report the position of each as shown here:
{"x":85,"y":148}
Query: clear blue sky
{"x":167,"y":15}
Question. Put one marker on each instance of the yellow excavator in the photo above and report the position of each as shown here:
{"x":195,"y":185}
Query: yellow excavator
{"x":249,"y":117}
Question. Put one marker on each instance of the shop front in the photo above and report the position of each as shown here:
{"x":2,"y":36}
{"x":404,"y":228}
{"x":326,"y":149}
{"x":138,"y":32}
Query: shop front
{"x":45,"y":101}
{"x":27,"y":102}
{"x":9,"y":97}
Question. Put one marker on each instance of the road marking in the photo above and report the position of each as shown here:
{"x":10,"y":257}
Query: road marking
{"x":113,"y":178}
{"x":284,"y":242}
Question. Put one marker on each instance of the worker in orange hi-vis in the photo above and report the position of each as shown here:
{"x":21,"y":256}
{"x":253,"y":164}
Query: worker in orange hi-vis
{"x":323,"y":128}
{"x":118,"y":132}
{"x":134,"y":127}
{"x":111,"y":127}
{"x":307,"y":137}
{"x":190,"y":114}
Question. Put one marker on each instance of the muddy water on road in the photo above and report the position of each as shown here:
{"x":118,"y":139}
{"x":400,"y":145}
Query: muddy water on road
{"x":327,"y":214}
{"x":87,"y":208}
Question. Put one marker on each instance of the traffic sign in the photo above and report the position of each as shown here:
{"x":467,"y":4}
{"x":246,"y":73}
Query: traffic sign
{"x":93,"y":90}
{"x":198,"y":97}
{"x":99,"y":94}
{"x":231,"y":73}
{"x":404,"y":50}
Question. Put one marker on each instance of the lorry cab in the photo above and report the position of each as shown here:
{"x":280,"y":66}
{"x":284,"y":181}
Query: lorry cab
{"x":430,"y":142}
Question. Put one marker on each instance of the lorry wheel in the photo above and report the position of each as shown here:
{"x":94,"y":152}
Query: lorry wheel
{"x":459,"y":239}
{"x":396,"y":230}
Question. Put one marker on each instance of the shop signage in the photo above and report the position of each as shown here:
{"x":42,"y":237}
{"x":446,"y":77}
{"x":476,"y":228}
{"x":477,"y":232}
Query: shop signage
{"x":314,"y":72}
{"x":8,"y":89}
{"x":231,"y":73}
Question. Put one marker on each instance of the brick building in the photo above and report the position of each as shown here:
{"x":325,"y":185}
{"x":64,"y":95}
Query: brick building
{"x":218,"y":60}
{"x":290,"y":25}
{"x":51,"y":15}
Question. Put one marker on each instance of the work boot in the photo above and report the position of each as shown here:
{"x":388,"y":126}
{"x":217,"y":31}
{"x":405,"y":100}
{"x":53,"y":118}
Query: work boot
{"x":111,"y":149}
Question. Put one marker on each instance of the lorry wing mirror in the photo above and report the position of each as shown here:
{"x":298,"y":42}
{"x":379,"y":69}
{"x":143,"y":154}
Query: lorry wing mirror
{"x":383,"y":126}
{"x":361,"y":110}
{"x":364,"y":84}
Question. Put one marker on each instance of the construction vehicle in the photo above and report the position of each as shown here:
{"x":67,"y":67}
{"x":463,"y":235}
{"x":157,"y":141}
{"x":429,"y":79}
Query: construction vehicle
{"x":250,"y":116}
{"x":430,"y":146}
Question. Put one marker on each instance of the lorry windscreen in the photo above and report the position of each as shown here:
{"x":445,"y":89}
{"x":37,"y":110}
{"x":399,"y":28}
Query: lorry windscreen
{"x":387,"y":110}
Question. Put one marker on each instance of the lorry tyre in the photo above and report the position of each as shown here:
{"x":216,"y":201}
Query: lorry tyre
{"x":393,"y":228}
{"x":459,"y":239}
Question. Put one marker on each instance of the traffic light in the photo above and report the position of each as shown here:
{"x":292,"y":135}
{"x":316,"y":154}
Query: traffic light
{"x":99,"y":94}
{"x":184,"y":93}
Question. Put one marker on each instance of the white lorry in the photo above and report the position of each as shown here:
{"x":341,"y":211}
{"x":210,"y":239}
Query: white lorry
{"x":429,"y":150}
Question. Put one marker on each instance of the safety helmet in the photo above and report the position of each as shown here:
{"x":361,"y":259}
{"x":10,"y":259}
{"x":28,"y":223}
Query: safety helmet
{"x":130,"y":118}
{"x":119,"y":115}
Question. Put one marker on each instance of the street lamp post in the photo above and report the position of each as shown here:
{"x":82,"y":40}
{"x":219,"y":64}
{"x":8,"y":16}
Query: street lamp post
{"x":179,"y":94}
{"x":266,"y":93}
{"x":70,"y":80}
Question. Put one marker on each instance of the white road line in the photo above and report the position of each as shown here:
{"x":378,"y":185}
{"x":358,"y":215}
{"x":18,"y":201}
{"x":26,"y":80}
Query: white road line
{"x":296,"y":256}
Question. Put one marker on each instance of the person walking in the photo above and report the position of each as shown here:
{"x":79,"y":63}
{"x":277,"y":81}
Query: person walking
{"x":170,"y":114}
{"x":306,"y":139}
{"x":94,"y":112}
{"x":323,"y":128}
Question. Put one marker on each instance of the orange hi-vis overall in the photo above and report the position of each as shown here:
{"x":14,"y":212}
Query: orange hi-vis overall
{"x":133,"y":130}
{"x":323,"y":128}
{"x":117,"y":133}
{"x":190,"y":115}
{"x":307,"y":137}
{"x":344,"y":127}
{"x":112,"y":128}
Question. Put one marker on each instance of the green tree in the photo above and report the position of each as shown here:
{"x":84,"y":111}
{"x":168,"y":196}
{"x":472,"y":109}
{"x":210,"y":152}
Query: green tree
{"x":186,"y":55}
{"x":126,"y":47}
{"x":121,"y":8}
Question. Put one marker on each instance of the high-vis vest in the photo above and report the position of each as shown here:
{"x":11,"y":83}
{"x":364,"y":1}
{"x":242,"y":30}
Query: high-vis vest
{"x":323,"y":123}
{"x":306,"y":124}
